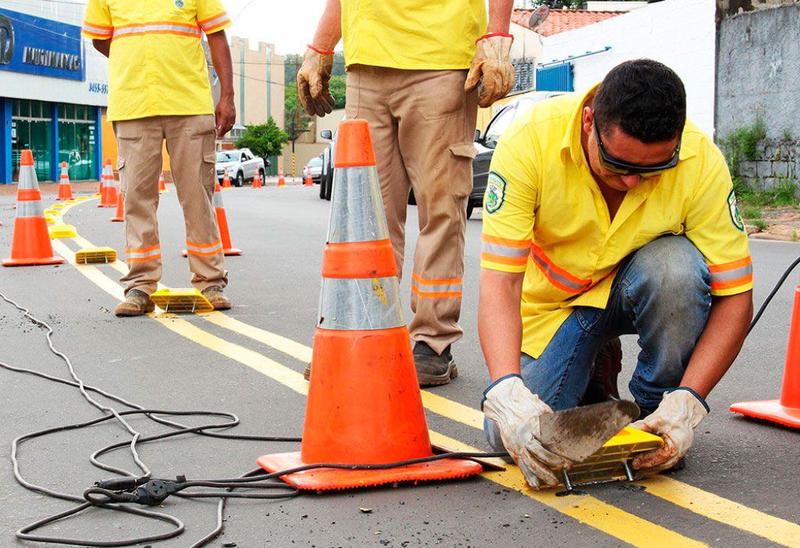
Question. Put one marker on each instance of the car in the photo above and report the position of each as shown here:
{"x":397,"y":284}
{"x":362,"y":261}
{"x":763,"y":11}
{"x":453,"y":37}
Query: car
{"x":314,"y":169}
{"x":240,"y":164}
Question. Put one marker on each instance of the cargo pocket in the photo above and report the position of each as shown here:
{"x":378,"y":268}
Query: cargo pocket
{"x":121,"y":171}
{"x":462,"y":155}
{"x":209,"y":174}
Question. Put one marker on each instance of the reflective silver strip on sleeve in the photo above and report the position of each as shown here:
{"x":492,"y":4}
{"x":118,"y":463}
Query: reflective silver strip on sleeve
{"x":215,"y":21}
{"x":97,"y":30}
{"x":365,"y":304}
{"x":728,"y":275}
{"x":504,"y":250}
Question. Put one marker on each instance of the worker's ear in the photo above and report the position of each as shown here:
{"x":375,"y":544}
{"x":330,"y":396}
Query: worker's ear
{"x":587,"y":119}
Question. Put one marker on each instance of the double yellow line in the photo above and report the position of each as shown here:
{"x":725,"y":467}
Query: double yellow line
{"x":588,"y":510}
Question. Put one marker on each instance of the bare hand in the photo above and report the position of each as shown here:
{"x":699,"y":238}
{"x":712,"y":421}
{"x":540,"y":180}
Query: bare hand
{"x":225,"y":116}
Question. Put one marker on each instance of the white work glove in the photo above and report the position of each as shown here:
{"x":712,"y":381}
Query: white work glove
{"x":516,"y":411}
{"x":492,"y":62}
{"x":313,"y":80}
{"x":675,"y":419}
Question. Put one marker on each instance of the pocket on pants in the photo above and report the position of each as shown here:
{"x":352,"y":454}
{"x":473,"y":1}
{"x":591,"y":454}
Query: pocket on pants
{"x":462,"y":155}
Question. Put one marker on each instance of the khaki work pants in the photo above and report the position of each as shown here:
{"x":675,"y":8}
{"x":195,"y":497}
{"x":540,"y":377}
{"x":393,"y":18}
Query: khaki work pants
{"x":190,"y":144}
{"x":422,"y":126}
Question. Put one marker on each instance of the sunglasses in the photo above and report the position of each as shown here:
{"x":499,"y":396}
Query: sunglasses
{"x":621,"y":167}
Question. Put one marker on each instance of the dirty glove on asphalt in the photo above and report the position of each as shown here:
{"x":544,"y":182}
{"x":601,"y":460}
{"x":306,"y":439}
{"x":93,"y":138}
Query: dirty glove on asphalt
{"x":675,"y":419}
{"x":492,"y":62}
{"x":313,"y":82}
{"x":516,"y":411}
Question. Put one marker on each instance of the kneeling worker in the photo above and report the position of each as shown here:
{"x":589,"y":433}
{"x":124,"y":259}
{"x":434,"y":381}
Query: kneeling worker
{"x":606,"y":214}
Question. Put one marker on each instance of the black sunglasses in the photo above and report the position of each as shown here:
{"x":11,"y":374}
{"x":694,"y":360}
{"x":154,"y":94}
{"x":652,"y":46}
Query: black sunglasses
{"x":621,"y":167}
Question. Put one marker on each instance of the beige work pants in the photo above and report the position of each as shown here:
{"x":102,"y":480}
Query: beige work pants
{"x":422,"y":126}
{"x":190,"y":144}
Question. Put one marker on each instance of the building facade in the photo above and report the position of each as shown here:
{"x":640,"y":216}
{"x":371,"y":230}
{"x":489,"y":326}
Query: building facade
{"x":53,"y":91}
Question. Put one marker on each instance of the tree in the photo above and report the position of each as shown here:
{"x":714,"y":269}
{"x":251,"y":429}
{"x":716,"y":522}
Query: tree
{"x":337,"y":86}
{"x":263,"y":139}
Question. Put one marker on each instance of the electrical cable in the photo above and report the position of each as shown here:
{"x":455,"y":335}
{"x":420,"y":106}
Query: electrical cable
{"x":116,"y":493}
{"x":772,"y":294}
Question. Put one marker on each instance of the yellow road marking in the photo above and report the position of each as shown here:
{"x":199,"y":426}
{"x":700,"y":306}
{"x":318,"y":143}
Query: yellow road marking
{"x":588,"y":510}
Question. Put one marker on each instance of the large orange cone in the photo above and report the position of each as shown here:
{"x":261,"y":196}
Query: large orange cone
{"x":30,"y":244}
{"x":162,"y":186}
{"x":119,"y":215}
{"x":226,"y":181}
{"x":281,"y":179}
{"x":786,"y":410}
{"x":222,"y":223}
{"x":64,"y":187}
{"x":257,"y":181}
{"x":108,"y":197}
{"x":364,"y":404}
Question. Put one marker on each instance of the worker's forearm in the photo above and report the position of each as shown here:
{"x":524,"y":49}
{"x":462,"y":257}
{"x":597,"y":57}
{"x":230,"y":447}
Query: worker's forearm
{"x":499,"y":321}
{"x":221,"y":58}
{"x":329,"y":28}
{"x":720,"y":342}
{"x":103,"y":46}
{"x":499,"y":15}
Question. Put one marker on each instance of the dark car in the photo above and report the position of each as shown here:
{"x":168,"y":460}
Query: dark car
{"x":484,"y":146}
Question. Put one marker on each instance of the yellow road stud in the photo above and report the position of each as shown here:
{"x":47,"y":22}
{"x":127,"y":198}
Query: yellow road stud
{"x":62,"y":231}
{"x":95,"y":255}
{"x":50,"y":219}
{"x":57,"y":207}
{"x":51,"y":211}
{"x":181,"y":300}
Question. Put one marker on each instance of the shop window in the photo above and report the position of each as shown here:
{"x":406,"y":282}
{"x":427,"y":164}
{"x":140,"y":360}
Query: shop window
{"x":30,"y":129}
{"x":77,"y":142}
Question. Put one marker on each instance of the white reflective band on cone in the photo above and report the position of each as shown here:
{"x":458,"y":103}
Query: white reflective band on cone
{"x":367,"y":303}
{"x":357,"y":213}
{"x":27,"y":178}
{"x":217,"y":200}
{"x":30,"y":209}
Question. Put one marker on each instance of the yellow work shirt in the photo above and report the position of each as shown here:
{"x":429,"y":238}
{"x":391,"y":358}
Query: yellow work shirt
{"x":544,"y":215}
{"x":412,"y":34}
{"x":156,"y":65}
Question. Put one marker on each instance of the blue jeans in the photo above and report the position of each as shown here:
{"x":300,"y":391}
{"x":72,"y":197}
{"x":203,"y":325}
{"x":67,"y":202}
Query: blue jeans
{"x":662,"y":293}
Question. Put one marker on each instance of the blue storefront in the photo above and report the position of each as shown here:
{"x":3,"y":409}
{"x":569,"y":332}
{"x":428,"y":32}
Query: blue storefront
{"x":47,"y":103}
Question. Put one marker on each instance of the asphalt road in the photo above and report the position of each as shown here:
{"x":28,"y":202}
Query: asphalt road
{"x":739,"y":487}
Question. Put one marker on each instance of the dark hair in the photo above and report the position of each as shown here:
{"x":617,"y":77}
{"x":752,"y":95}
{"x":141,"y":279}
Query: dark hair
{"x":645,"y":98}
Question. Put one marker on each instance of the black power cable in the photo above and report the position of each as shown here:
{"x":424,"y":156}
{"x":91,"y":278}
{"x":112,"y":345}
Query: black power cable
{"x":116,"y":493}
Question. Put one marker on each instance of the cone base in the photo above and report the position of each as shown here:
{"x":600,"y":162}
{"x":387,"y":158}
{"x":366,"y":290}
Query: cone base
{"x":769,"y":410}
{"x":33,"y":262}
{"x":117,"y":219}
{"x":227,"y":252}
{"x":323,"y":479}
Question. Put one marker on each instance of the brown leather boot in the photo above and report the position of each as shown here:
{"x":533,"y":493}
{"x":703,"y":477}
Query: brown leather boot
{"x":217,"y":299}
{"x":136,"y":303}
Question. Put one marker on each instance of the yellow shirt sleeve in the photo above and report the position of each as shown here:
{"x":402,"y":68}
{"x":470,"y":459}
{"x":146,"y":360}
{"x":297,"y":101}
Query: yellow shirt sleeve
{"x":211,"y":16}
{"x":509,"y":203}
{"x":714,"y":225}
{"x":97,"y":21}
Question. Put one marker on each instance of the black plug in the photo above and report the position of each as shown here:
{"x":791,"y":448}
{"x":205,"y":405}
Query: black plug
{"x":120,"y":484}
{"x":154,"y":492}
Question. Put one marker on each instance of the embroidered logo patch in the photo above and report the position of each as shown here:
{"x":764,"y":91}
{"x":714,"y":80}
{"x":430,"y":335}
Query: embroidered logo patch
{"x":179,"y":4}
{"x":495,"y":192}
{"x":736,"y":217}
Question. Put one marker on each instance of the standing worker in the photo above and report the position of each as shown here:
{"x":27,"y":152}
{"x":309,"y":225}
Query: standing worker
{"x":159,"y":89}
{"x":408,"y":77}
{"x":607,"y":213}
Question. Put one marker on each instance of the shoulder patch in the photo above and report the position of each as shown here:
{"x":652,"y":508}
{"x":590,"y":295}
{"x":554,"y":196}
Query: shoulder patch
{"x":733,"y":209}
{"x":495,"y":192}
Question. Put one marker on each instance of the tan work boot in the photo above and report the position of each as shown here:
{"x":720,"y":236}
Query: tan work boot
{"x":217,"y":299}
{"x":136,"y":303}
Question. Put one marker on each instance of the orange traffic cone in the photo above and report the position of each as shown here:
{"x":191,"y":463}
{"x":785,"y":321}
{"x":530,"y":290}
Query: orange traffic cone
{"x":226,"y":182}
{"x":364,"y":404}
{"x":309,"y":181}
{"x":30,"y":244}
{"x":257,"y":181}
{"x":786,"y":410}
{"x":103,"y":178}
{"x":162,"y":186}
{"x":222,"y":223}
{"x":281,"y":179}
{"x":64,"y":187}
{"x":119,"y":215}
{"x":108,"y":197}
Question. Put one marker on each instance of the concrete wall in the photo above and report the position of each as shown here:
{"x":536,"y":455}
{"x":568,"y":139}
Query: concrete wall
{"x":678,"y":33}
{"x":759,"y":78}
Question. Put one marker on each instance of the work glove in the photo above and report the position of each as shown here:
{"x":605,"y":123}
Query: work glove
{"x":675,"y":419}
{"x":492,"y":63}
{"x":516,"y":411}
{"x":313,"y":80}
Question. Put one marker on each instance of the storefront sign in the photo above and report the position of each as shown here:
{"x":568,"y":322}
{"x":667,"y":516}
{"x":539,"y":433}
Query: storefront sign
{"x":35,"y":45}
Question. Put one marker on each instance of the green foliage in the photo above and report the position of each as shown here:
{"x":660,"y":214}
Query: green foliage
{"x":751,"y":212}
{"x":742,"y":145}
{"x":337,"y":85}
{"x":263,"y":139}
{"x":786,"y":135}
{"x":760,"y":224}
{"x":785,"y":192}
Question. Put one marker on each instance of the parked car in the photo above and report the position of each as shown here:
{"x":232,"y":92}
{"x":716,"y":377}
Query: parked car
{"x":240,"y":164}
{"x":484,"y":146}
{"x":314,"y":169}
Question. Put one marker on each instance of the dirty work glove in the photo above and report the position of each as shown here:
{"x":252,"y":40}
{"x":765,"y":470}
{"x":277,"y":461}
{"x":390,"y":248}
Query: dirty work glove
{"x":492,"y":63}
{"x":312,"y":81}
{"x":675,"y":419}
{"x":516,"y":411}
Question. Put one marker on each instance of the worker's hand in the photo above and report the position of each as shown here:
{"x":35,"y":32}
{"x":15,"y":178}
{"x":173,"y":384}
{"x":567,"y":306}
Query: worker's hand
{"x":313,"y":82}
{"x":675,"y":419}
{"x":516,"y":411}
{"x":224,"y":116}
{"x":492,"y":62}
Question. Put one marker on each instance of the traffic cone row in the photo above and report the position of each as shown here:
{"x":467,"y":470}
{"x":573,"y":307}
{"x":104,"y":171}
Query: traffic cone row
{"x":30,"y":244}
{"x":64,"y":186}
{"x":108,"y":196}
{"x":364,"y":404}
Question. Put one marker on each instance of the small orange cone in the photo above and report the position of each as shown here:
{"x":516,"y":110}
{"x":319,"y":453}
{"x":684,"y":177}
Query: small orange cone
{"x":281,"y":179}
{"x":64,"y":186}
{"x":119,"y":215}
{"x":786,"y":410}
{"x":257,"y":181}
{"x":226,"y":182}
{"x":103,"y":177}
{"x":309,"y":181}
{"x":30,"y":244}
{"x":222,"y":223}
{"x":162,"y":186}
{"x":108,"y":197}
{"x":364,"y":404}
